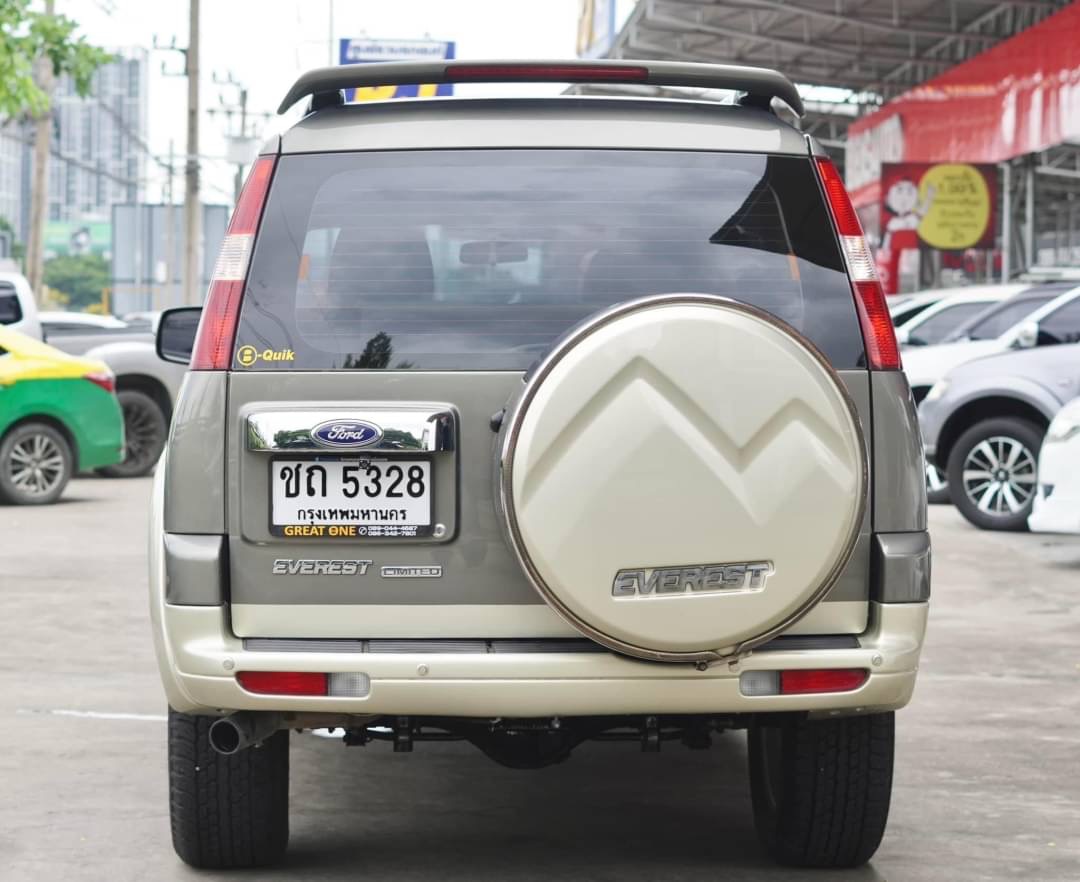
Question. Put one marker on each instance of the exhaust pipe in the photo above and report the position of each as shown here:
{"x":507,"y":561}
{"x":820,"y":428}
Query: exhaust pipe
{"x":242,"y":729}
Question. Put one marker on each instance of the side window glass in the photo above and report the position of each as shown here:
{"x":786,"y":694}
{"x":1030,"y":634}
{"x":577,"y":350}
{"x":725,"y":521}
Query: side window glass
{"x":10,"y":308}
{"x":1061,"y":326}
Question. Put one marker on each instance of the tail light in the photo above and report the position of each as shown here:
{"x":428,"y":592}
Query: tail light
{"x":283,"y":682}
{"x":104,"y":379}
{"x":882,"y":351}
{"x":217,"y":327}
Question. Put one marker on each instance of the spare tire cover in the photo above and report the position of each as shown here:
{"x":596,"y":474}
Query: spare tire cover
{"x":682,"y":477}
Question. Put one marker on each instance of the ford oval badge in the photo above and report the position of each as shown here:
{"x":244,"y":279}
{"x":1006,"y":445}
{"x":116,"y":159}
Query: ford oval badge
{"x":346,"y":433}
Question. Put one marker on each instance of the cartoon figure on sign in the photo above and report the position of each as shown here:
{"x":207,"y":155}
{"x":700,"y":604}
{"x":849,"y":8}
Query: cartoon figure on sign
{"x":905,"y":211}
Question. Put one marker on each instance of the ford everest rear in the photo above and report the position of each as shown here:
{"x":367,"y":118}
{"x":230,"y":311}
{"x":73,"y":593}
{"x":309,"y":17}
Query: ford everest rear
{"x":532,"y":421}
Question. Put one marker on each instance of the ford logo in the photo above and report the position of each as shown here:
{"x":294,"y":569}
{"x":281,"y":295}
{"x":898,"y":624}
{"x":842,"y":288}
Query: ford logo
{"x":346,"y":433}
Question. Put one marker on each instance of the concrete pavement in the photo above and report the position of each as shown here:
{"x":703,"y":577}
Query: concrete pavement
{"x":987,"y":777}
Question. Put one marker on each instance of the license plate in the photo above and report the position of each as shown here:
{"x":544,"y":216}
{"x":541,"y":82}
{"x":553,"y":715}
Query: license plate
{"x":342,"y":497}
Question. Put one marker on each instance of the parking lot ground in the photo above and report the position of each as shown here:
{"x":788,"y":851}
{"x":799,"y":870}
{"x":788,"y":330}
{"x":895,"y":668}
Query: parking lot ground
{"x":987,"y":777}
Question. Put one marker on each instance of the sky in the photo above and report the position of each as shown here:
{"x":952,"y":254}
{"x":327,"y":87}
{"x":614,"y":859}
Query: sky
{"x":266,"y":44}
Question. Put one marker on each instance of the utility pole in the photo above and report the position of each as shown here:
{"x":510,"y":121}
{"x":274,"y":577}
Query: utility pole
{"x":170,"y":235}
{"x":192,"y":208}
{"x":39,"y":186}
{"x":241,"y":143}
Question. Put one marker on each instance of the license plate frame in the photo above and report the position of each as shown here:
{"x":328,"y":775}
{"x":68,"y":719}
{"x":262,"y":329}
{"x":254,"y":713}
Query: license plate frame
{"x":351,"y":529}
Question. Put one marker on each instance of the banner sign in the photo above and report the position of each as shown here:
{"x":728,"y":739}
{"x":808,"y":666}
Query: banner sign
{"x":946,"y":206}
{"x":363,"y":51}
{"x":596,"y":28}
{"x":1020,"y":96}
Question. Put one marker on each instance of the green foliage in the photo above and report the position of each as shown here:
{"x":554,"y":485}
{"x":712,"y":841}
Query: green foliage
{"x":17,"y":249}
{"x":81,"y":279}
{"x":26,"y":35}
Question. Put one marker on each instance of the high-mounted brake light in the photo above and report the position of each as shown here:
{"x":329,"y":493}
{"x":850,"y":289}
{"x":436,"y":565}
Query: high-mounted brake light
{"x":104,"y":379}
{"x":283,"y":682}
{"x":534,"y":73}
{"x":879,"y":337}
{"x":217,"y":327}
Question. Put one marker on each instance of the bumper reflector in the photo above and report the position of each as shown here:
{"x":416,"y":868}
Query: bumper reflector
{"x":801,"y":682}
{"x":350,"y":685}
{"x":283,"y":682}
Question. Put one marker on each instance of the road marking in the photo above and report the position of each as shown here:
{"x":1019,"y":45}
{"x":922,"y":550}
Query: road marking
{"x":96,"y":715}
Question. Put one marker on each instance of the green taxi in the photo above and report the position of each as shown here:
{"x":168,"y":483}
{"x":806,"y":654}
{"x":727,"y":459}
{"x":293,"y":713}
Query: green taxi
{"x":58,"y":415}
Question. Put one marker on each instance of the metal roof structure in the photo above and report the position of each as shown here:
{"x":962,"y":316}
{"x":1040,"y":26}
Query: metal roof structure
{"x":878,"y":46}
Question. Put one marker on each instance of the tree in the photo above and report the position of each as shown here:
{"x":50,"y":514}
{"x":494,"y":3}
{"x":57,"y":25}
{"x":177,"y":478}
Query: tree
{"x":26,"y":36}
{"x":81,"y":279}
{"x":35,"y":48}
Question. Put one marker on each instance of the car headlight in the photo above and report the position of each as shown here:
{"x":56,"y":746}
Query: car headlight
{"x":937,"y":391}
{"x":1062,"y":429}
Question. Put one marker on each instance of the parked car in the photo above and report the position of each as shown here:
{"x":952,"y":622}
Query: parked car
{"x":455,"y":457}
{"x":954,"y":308}
{"x":146,"y":385}
{"x":984,"y":423}
{"x":948,"y":309}
{"x":78,"y":332}
{"x":58,"y":415}
{"x":18,"y":311}
{"x":1041,"y":315}
{"x":904,"y":307}
{"x":1057,"y":501}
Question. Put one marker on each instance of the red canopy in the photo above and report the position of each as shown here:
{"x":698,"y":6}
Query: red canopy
{"x":1021,"y":96}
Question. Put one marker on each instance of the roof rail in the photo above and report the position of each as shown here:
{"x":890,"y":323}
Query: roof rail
{"x":759,"y":85}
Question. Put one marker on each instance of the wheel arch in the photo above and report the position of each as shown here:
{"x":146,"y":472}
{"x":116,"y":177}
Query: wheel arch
{"x":148,"y":385}
{"x":54,"y":423}
{"x":981,"y":409}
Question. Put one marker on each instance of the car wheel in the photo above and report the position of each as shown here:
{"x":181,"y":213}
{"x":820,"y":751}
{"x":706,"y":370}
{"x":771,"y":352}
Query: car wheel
{"x":36,"y":463}
{"x":937,"y":487}
{"x":993,"y":469}
{"x":145,"y":431}
{"x":227,"y":812}
{"x":821,"y":788}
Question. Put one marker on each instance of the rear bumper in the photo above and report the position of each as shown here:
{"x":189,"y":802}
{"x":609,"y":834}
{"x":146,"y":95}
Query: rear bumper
{"x":199,"y":658}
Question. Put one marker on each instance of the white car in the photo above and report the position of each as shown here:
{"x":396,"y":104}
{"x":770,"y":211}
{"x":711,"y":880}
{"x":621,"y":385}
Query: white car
{"x":1057,"y":502}
{"x":952,"y":308}
{"x":1039,"y":315}
{"x":18,"y":310}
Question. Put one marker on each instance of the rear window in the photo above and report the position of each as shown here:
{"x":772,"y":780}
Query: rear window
{"x":480,"y":259}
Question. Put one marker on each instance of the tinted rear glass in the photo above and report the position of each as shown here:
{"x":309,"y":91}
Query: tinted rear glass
{"x":473,"y":260}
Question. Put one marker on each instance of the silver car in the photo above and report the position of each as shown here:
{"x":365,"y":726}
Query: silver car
{"x":983,"y":424}
{"x":529,"y":422}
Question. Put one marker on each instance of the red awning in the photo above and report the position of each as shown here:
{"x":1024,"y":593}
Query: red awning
{"x":1021,"y":96}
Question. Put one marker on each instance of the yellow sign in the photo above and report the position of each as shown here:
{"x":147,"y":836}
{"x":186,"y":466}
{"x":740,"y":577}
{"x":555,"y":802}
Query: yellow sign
{"x":246,"y":356}
{"x":959,"y":206}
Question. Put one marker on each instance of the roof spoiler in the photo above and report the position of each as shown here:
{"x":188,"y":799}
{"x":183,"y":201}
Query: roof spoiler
{"x":758,"y":85}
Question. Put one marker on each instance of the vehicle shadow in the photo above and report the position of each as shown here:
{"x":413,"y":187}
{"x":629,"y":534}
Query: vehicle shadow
{"x":446,"y":812}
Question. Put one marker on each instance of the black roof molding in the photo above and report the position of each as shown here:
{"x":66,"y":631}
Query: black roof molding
{"x":758,"y":85}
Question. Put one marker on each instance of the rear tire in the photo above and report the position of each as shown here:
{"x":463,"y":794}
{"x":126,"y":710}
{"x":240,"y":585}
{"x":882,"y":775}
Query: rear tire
{"x":227,"y":812}
{"x":145,"y":430}
{"x":821,"y":788}
{"x":36,"y":463}
{"x":987,"y":448}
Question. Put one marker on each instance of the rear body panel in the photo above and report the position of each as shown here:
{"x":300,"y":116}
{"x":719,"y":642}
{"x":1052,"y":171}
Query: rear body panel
{"x":478,"y":571}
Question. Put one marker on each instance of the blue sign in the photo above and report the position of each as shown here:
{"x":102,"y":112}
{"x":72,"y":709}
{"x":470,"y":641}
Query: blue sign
{"x":362,"y":50}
